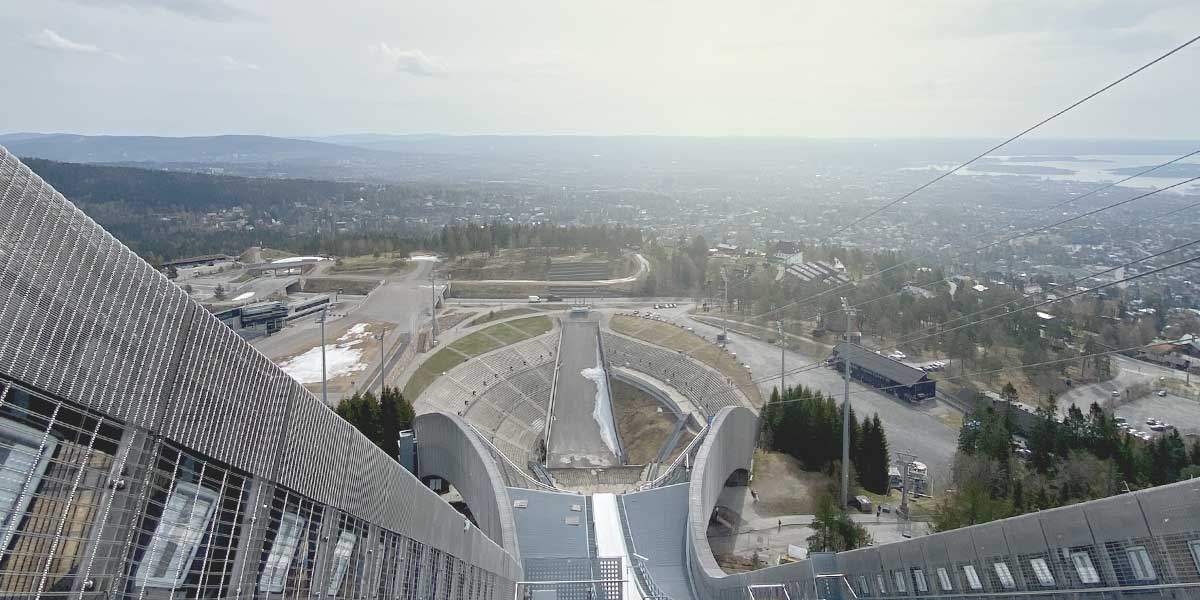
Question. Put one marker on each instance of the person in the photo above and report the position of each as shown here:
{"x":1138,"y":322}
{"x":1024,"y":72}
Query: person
{"x":780,"y":526}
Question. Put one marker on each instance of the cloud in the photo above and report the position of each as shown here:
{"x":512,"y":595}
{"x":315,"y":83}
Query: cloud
{"x":230,"y":63}
{"x":207,"y":10}
{"x":413,"y":61}
{"x":48,"y":39}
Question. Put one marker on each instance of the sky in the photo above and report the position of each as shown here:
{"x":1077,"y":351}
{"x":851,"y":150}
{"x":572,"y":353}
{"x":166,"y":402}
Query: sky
{"x":807,"y":68}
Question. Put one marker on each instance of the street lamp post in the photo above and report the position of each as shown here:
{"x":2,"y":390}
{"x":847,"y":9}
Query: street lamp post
{"x":382,"y":362}
{"x":324,"y":387}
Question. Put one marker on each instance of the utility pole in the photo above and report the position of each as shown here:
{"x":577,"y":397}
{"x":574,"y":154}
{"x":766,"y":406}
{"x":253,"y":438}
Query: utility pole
{"x":382,"y":362}
{"x":782,"y":358}
{"x":725,"y":310}
{"x":433,"y":302}
{"x":907,"y":459}
{"x":846,"y":411}
{"x":324,"y":390}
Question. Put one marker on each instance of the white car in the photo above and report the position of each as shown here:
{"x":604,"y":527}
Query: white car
{"x":1162,"y":393}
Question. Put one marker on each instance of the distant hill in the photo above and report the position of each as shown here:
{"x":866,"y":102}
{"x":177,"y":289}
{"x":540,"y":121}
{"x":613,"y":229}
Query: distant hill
{"x":221,"y":149}
{"x":6,"y":138}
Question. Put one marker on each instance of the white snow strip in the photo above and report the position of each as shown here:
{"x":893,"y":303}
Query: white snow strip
{"x":284,"y":261}
{"x":424,"y":257}
{"x":610,"y":543}
{"x":244,"y":296}
{"x":602,"y":412}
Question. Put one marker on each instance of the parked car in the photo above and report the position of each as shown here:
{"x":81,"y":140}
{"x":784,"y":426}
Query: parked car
{"x":862,"y":503}
{"x":1161,"y":393}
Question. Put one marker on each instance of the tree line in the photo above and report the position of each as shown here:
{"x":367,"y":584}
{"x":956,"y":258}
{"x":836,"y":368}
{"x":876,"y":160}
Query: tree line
{"x":380,"y":419}
{"x":1078,"y":458}
{"x":807,"y":425}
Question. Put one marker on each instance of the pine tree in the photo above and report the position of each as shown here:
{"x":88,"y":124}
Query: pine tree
{"x":396,"y":415}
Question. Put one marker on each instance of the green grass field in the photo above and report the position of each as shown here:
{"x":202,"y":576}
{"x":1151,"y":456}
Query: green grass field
{"x":480,"y":342}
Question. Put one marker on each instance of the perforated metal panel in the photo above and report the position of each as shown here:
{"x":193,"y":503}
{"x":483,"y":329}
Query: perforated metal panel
{"x":147,"y":451}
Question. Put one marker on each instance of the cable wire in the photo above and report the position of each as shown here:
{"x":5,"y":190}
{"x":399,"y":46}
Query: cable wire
{"x":1043,"y":303}
{"x":1008,"y":141}
{"x":993,"y":244}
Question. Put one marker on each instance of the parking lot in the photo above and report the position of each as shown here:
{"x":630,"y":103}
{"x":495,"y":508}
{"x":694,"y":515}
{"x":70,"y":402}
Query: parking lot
{"x":1183,"y":413}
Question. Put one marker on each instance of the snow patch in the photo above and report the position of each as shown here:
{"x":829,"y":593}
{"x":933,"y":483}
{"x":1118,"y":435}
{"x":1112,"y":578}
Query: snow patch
{"x":359,"y":330}
{"x":244,"y":296}
{"x":341,"y":358}
{"x":426,"y":257}
{"x":602,"y":412}
{"x":295,"y":259}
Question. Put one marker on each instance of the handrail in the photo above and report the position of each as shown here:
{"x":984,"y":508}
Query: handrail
{"x":553,"y":390}
{"x":496,"y":452}
{"x":641,"y":577}
{"x":692,"y":445}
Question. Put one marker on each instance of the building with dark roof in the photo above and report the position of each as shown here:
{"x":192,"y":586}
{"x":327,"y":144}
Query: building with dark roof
{"x":890,"y":375}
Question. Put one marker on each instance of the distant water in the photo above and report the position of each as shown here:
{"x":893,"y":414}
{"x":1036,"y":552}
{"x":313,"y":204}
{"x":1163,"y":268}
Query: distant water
{"x":1090,"y":168}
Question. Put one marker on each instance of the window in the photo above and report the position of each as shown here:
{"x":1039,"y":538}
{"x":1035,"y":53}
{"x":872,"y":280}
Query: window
{"x":864,"y":589}
{"x":1139,"y":561}
{"x":881,"y":582}
{"x":899,"y":577}
{"x":1195,"y":546}
{"x":919,"y":580}
{"x":20,"y":461}
{"x":1085,"y":569}
{"x":377,"y":573}
{"x":972,"y":577}
{"x":944,"y":579}
{"x":1004,"y":575}
{"x":176,"y":539}
{"x":279,"y":561}
{"x":1042,"y":571}
{"x":341,"y":561}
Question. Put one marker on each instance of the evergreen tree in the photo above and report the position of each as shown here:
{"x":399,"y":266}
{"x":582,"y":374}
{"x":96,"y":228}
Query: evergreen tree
{"x":873,"y":462}
{"x":396,"y":415}
{"x":1043,"y":440}
{"x":362,"y":411}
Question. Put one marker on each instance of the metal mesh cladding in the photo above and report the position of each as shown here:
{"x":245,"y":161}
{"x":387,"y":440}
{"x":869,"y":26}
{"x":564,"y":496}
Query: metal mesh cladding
{"x":146,"y":451}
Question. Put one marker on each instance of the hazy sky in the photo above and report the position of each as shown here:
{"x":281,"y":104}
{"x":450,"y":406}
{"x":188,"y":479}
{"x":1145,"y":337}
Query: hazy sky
{"x":803,"y":68}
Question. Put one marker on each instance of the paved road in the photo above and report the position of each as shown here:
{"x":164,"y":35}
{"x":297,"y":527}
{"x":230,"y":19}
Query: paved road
{"x":575,"y":439}
{"x":401,"y":302}
{"x":917,"y":429}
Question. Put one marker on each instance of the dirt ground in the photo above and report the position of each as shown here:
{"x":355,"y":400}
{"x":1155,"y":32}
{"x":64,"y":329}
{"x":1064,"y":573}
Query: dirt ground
{"x":527,"y":264}
{"x":641,"y":424}
{"x":784,"y":488}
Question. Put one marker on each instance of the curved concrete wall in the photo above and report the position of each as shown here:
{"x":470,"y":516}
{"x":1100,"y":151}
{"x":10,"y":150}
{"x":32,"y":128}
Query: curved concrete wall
{"x":447,"y":448}
{"x":1162,"y":524}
